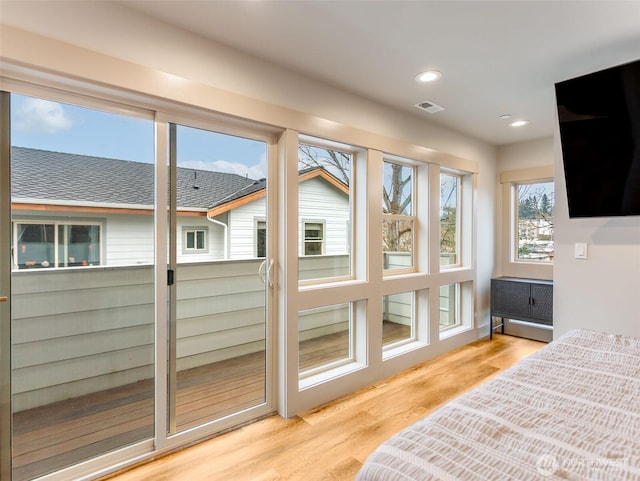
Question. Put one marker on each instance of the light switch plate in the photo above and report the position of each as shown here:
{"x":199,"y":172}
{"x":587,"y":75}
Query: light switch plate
{"x":580,"y":250}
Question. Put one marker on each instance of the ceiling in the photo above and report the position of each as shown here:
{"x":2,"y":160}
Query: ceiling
{"x":499,"y":57}
{"x":496,"y":57}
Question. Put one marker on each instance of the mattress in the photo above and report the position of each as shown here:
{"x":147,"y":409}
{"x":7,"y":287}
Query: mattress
{"x":569,"y":411}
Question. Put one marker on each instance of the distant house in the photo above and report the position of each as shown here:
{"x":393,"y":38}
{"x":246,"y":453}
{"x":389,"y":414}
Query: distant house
{"x":76,"y":210}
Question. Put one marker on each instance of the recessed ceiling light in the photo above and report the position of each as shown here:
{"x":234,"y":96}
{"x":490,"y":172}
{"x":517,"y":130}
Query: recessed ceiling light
{"x":428,"y":76}
{"x":519,"y":123}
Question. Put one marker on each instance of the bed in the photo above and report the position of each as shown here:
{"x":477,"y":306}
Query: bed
{"x":569,"y":411}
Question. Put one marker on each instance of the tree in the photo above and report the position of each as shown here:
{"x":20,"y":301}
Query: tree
{"x":396,"y":189}
{"x":335,"y":162}
{"x":448,"y":214}
{"x":397,"y":234}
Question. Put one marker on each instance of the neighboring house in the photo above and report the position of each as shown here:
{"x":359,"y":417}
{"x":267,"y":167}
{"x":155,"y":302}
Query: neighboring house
{"x":76,"y":210}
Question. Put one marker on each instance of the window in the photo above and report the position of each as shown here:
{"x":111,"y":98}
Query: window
{"x":449,"y":306}
{"x":313,"y":238}
{"x":397,"y":216}
{"x":325,"y":336}
{"x":195,"y":239}
{"x":261,"y":238}
{"x":324,"y":210}
{"x":55,"y":244}
{"x":398,"y":318}
{"x":533,"y":226}
{"x":449,"y":219}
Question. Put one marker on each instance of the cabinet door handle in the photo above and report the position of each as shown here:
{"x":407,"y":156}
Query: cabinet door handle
{"x":4,"y":298}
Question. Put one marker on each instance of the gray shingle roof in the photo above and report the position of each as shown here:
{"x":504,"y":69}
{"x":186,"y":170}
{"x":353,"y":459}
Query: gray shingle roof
{"x":56,"y":176}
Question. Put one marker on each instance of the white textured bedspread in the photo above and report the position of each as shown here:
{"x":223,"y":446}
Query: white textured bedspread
{"x":569,"y":411}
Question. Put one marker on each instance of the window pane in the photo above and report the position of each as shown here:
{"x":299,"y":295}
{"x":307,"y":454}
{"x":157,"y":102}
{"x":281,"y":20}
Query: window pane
{"x":261,"y":239}
{"x":313,"y":231}
{"x":191,"y":240}
{"x":200,"y":244}
{"x":449,"y":219}
{"x":449,"y":306}
{"x":324,"y":197}
{"x":397,"y":188}
{"x":397,"y":235}
{"x":82,"y":339}
{"x":324,"y":336}
{"x":535,"y":222}
{"x":78,"y":245}
{"x":398,"y":221}
{"x":397,"y":318}
{"x":35,"y":244}
{"x":219,"y":368}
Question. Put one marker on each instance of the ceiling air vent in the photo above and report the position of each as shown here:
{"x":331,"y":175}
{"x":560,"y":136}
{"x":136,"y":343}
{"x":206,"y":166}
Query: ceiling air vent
{"x":429,"y":107}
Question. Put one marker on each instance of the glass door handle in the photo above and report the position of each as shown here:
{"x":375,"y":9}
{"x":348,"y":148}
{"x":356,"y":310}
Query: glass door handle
{"x":265,"y":276}
{"x":261,"y":273}
{"x":269,"y":271}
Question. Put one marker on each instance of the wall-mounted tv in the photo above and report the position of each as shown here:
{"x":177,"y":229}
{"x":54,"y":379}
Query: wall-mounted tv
{"x":599,"y":117}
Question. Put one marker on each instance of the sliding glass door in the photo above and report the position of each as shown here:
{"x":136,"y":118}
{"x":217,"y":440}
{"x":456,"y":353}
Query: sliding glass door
{"x":99,"y":367}
{"x":219,"y":252}
{"x":82,"y":283}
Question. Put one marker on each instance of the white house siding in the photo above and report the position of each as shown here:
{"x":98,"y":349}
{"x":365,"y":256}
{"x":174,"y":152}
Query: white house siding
{"x":215,"y":240}
{"x":128,"y":240}
{"x":320,"y":201}
{"x":242,"y":233}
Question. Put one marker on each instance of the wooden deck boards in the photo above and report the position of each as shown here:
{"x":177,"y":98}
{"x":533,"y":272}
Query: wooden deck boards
{"x":64,"y":433}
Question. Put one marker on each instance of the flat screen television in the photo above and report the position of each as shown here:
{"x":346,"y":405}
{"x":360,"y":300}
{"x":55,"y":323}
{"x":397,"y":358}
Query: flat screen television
{"x":599,"y":115}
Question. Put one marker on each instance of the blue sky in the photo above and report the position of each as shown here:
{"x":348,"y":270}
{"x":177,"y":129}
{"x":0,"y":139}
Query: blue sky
{"x":47,"y":125}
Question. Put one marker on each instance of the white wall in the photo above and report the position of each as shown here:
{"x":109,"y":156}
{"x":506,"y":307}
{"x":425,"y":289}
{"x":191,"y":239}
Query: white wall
{"x":524,"y":155}
{"x":601,"y":292}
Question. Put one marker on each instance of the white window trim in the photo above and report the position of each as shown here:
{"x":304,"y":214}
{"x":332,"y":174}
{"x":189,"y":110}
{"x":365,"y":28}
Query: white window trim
{"x":323,"y":241}
{"x":195,"y":229}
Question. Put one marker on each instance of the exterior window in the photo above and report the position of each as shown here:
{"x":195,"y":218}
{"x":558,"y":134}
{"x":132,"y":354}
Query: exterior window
{"x":534,"y":222}
{"x":325,"y":338}
{"x":449,"y":306}
{"x":56,"y":245}
{"x":325,"y":206}
{"x":195,"y":240}
{"x":397,"y":318}
{"x":397,"y":216}
{"x":261,"y":238}
{"x":313,"y":238}
{"x":449,"y":219}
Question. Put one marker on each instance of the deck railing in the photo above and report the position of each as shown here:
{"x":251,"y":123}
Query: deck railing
{"x":81,"y":330}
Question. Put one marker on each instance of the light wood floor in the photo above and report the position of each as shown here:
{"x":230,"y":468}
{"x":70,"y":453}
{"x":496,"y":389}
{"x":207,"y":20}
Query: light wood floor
{"x":332,"y":441}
